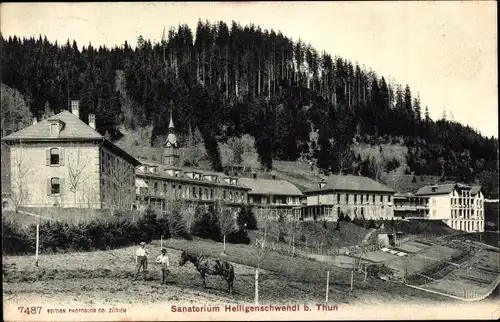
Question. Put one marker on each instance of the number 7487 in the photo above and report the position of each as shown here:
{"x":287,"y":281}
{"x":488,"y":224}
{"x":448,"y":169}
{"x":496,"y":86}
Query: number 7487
{"x":30,"y":309}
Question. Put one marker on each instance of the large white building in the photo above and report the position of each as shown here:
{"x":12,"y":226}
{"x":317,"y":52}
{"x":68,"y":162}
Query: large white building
{"x":460,"y":206}
{"x":351,"y":195}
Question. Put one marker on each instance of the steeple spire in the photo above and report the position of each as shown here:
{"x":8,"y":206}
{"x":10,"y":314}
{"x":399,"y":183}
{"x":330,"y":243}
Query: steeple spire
{"x":171,"y":124}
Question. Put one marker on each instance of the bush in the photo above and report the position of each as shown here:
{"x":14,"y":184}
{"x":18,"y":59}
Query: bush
{"x":238,"y":237}
{"x":207,"y":227}
{"x":246,"y":215}
{"x":85,"y":235}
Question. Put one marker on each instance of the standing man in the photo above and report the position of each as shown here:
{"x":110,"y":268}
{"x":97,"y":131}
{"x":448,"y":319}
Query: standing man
{"x":163,"y":260}
{"x":141,"y":260}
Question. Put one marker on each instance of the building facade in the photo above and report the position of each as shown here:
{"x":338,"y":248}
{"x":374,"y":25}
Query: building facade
{"x":350,"y":195}
{"x":460,"y":206}
{"x":158,"y":183}
{"x":410,"y":206}
{"x":274,"y":197}
{"x":64,"y":162}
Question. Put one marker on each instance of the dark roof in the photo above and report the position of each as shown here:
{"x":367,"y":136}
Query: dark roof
{"x":74,"y":128}
{"x":447,"y":188}
{"x":183,"y":174}
{"x":437,"y":189}
{"x":411,"y":183}
{"x":271,"y":187}
{"x":351,"y":183}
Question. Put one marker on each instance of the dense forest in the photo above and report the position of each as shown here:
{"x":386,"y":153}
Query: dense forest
{"x":227,"y":81}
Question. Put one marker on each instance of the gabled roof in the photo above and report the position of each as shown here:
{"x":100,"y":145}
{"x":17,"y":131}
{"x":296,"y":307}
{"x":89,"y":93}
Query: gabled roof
{"x":270,"y":186}
{"x":438,"y":189}
{"x":351,"y":183}
{"x":74,"y":128}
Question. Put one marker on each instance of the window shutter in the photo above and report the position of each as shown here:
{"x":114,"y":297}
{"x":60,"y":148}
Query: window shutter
{"x":61,"y":186}
{"x":48,"y":187}
{"x":47,"y":156}
{"x":61,"y":156}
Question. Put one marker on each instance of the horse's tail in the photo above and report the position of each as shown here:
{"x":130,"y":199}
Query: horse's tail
{"x":231,"y":272}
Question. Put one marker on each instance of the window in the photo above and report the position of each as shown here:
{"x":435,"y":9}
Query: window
{"x":55,"y":186}
{"x":338,"y":198}
{"x":355,"y":198}
{"x":194,"y":192}
{"x":224,"y":194}
{"x":206,"y":193}
{"x":165,"y":188}
{"x":54,"y":129}
{"x":381,"y":198}
{"x":211,"y":193}
{"x":373,"y":198}
{"x":200,"y":193}
{"x":346,"y":198}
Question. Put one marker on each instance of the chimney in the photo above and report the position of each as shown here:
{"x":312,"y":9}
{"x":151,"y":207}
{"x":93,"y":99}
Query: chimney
{"x":75,"y":108}
{"x":35,"y":120}
{"x":92,"y":121}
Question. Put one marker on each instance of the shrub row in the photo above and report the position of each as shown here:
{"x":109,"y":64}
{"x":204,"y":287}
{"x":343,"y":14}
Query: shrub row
{"x":121,"y":230}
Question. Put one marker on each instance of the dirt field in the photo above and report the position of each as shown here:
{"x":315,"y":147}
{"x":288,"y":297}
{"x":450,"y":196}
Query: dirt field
{"x":107,"y":277}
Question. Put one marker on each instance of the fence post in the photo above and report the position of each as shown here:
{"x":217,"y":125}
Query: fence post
{"x":352,"y":278}
{"x":256,"y":286}
{"x":37,"y":243}
{"x":327,"y":285}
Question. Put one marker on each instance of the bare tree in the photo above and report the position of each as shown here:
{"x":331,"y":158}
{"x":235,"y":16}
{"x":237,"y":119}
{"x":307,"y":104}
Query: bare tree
{"x":262,"y":248}
{"x":119,"y":190}
{"x":21,"y":170}
{"x":77,"y":163}
{"x":227,"y":222}
{"x":188,"y":212}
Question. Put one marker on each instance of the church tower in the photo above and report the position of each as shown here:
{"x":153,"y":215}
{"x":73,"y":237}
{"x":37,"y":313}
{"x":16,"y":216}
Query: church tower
{"x":171,"y":155}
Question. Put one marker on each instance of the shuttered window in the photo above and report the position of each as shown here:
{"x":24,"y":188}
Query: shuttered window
{"x":55,"y":186}
{"x":54,"y":156}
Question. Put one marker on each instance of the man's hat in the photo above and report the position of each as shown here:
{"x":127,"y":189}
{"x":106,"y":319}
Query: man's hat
{"x":142,"y":244}
{"x":163,"y":250}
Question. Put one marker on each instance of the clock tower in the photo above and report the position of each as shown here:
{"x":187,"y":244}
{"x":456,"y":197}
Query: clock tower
{"x":171,"y":155}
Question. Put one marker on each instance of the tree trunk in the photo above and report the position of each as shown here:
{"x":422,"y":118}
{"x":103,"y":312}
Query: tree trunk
{"x":224,"y":243}
{"x":256,"y":297}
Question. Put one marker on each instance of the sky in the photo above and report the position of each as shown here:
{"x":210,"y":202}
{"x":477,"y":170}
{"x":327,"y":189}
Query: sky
{"x":446,"y":50}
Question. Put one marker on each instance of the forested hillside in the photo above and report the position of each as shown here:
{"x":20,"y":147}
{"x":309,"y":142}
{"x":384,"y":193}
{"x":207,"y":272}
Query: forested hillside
{"x":227,"y":81}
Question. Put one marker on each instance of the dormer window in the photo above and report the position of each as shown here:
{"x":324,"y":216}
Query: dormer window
{"x":322,"y":185}
{"x":55,"y":127}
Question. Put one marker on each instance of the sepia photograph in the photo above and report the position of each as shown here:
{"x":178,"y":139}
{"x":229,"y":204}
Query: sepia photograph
{"x":203,"y":161}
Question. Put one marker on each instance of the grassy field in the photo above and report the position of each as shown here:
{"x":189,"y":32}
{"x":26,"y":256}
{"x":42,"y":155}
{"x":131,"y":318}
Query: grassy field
{"x":107,"y":276}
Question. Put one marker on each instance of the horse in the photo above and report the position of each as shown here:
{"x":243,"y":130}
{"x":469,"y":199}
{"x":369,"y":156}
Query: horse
{"x":206,"y":265}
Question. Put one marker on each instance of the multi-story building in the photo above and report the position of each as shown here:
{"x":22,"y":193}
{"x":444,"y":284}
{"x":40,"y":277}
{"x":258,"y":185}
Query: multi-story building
{"x":157,"y":183}
{"x":274,"y":197}
{"x":409,"y":206}
{"x":63,"y":162}
{"x":354,"y":196}
{"x":460,"y":206}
